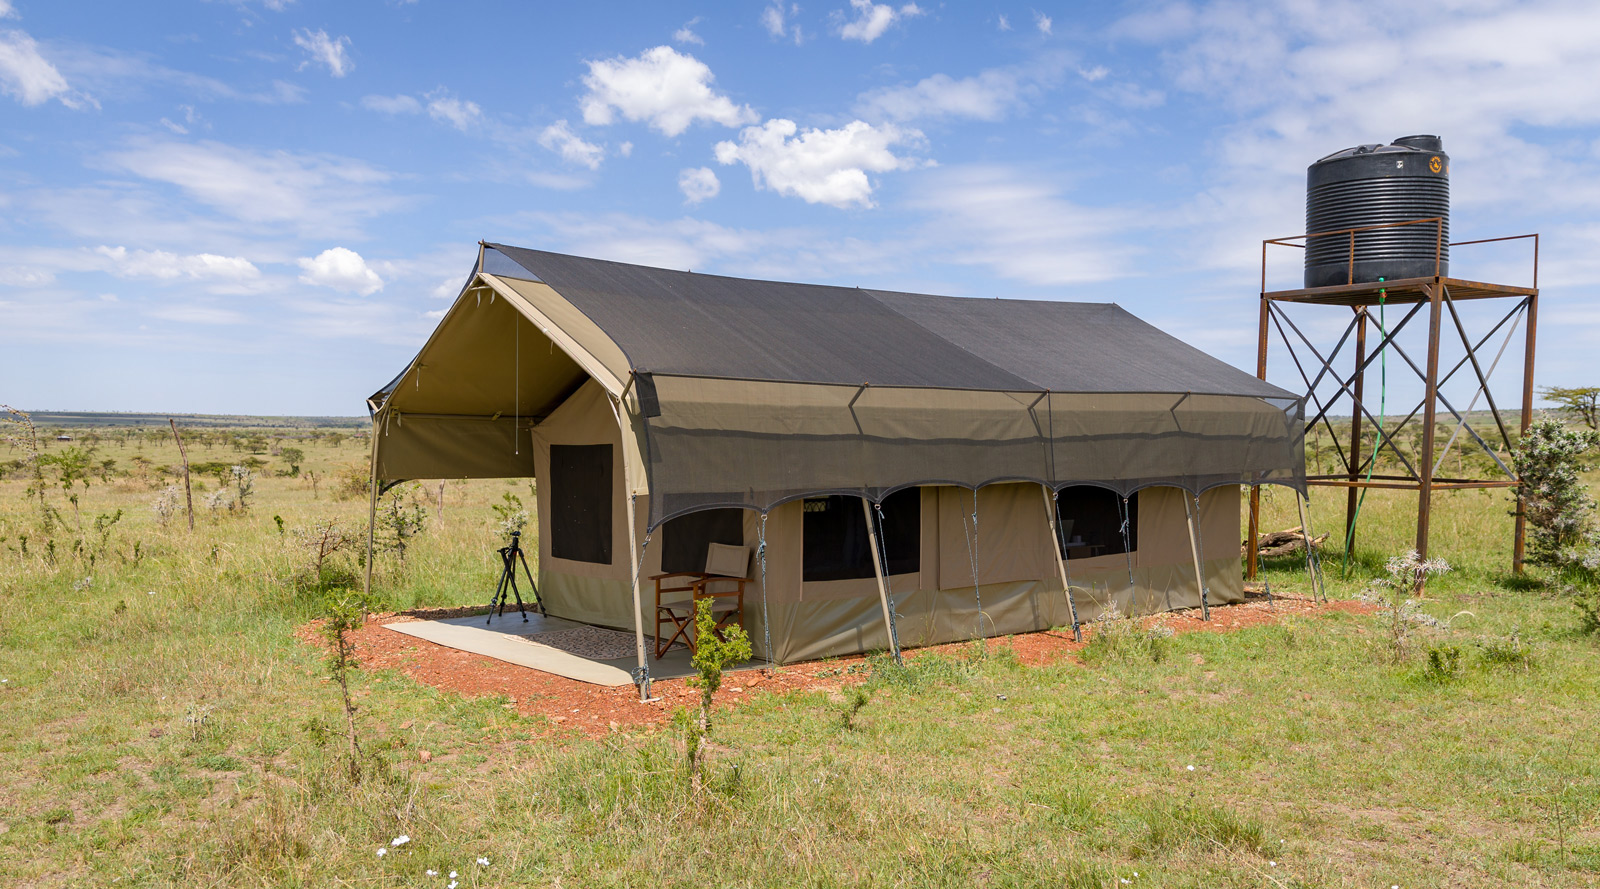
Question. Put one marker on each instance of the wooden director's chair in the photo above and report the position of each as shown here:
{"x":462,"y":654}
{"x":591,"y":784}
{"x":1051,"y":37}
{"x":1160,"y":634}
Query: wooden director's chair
{"x":726,"y":566}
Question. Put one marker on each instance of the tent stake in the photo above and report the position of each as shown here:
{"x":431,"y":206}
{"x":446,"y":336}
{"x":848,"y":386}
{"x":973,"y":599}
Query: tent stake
{"x":883,"y":583}
{"x":1194,"y":547}
{"x":1061,"y":558}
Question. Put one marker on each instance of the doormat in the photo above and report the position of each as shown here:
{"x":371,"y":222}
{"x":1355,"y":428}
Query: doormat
{"x":594,"y":643}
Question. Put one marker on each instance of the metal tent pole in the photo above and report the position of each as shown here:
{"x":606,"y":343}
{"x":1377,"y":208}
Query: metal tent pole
{"x":1061,"y":562}
{"x":883,"y":583}
{"x":1194,"y":549}
{"x":641,"y":676}
{"x":1305,"y":534}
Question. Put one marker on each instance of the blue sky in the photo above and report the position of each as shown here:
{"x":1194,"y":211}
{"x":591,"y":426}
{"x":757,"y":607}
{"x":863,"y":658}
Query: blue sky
{"x":265,"y":206}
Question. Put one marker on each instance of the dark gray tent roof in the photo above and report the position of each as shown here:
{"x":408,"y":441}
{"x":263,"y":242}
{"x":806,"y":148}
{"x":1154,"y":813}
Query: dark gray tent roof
{"x":689,"y":324}
{"x":750,"y":393}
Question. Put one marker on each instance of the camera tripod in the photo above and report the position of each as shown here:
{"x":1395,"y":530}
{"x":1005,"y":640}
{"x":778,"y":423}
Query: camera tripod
{"x":509,"y":557}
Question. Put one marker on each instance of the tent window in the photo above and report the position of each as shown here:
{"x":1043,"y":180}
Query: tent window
{"x":580,"y":503}
{"x":836,"y":546}
{"x":1091,"y":522}
{"x":685,"y":539}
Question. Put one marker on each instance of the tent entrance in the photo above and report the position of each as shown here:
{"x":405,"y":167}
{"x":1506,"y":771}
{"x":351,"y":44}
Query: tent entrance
{"x":568,"y":648}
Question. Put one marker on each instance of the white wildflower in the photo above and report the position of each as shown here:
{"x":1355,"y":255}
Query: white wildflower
{"x":400,"y":840}
{"x":484,"y":862}
{"x":1191,"y":768}
{"x":382,"y":851}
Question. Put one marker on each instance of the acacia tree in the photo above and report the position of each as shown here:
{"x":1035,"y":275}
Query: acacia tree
{"x":1582,"y":402}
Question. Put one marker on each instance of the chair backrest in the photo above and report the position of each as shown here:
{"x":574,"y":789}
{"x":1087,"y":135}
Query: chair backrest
{"x":727,"y":561}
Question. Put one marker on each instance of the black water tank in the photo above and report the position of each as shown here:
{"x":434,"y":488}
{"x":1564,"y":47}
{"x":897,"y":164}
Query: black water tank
{"x":1374,"y":185}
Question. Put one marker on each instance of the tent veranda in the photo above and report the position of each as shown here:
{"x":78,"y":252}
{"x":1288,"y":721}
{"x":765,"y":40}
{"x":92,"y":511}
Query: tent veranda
{"x":656,"y":405}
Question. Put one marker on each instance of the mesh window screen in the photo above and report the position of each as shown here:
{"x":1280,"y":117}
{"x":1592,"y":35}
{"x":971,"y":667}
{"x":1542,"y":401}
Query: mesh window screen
{"x":684,"y":539}
{"x":1091,"y":522}
{"x":580,"y":503}
{"x":835,"y":532}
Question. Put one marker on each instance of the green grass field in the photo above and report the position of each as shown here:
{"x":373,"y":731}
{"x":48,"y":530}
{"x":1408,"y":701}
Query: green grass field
{"x":163,"y":728}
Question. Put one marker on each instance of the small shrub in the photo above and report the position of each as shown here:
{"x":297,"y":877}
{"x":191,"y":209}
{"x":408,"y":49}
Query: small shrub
{"x":352,"y":481}
{"x":1588,"y":606}
{"x":1444,"y":663}
{"x":244,"y":482}
{"x":512,"y":516}
{"x":856,"y":697}
{"x":1549,"y":460}
{"x":1126,"y":639}
{"x":165,"y":505}
{"x":714,"y":651}
{"x":401,"y":516}
{"x":1393,"y":594}
{"x":1510,"y":651}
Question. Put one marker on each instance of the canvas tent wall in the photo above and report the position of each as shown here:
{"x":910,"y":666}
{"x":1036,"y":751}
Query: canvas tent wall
{"x":708,"y":392}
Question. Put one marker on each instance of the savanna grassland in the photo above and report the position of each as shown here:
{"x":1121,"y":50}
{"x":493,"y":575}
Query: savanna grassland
{"x":163,"y":727}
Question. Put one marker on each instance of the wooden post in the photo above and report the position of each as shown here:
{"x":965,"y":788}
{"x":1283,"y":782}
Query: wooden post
{"x":883,"y":582}
{"x":1061,"y":561}
{"x":1194,"y":548}
{"x":1519,"y":541}
{"x":188,"y":494}
{"x":1352,"y":498}
{"x":1436,"y":295}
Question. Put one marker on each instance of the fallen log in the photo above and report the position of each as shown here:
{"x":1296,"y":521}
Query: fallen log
{"x":1272,"y":544}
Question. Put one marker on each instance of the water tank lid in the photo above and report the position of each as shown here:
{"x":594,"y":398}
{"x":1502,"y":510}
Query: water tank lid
{"x":1422,"y":143}
{"x":1432,"y":144}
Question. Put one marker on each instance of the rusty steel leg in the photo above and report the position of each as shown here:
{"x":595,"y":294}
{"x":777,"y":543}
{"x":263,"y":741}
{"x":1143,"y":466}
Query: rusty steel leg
{"x":1436,"y":296}
{"x":1252,"y":561}
{"x":1519,"y":541}
{"x":1354,"y":467}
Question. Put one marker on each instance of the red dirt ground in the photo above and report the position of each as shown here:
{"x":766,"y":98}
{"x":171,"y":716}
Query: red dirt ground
{"x":595,"y":710}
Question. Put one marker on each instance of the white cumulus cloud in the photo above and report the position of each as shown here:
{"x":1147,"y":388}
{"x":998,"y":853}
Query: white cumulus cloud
{"x":325,"y":50}
{"x":1043,"y":23}
{"x":819,"y":166}
{"x":872,"y":19}
{"x":667,"y":89}
{"x":698,"y":184}
{"x":340,"y":269}
{"x":560,"y":138}
{"x":127,"y":263}
{"x":446,"y":108}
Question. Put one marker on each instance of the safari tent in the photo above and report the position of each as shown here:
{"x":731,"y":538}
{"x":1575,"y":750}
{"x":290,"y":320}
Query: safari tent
{"x":990,"y":451}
